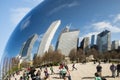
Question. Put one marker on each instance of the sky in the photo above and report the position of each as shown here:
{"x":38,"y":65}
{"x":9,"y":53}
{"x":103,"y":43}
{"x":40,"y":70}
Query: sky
{"x":12,"y":11}
{"x":91,"y":17}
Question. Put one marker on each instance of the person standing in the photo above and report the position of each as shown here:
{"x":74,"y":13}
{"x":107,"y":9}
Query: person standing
{"x":97,"y":77}
{"x":118,"y":69}
{"x":38,"y":75}
{"x":113,"y":69}
{"x":99,"y":70}
{"x":46,"y":73}
{"x":51,"y":69}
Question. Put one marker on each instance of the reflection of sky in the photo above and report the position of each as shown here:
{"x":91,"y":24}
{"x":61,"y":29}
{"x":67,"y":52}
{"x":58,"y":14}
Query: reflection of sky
{"x":81,"y":14}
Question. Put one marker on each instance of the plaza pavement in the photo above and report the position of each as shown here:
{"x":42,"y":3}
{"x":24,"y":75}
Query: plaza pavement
{"x":83,"y":72}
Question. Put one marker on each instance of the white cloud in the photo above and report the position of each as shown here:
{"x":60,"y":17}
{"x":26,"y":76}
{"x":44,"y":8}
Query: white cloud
{"x":17,"y":14}
{"x":88,"y":35}
{"x":63,"y":6}
{"x":117,"y":18}
{"x":105,"y":25}
{"x":25,"y":23}
{"x":34,"y":1}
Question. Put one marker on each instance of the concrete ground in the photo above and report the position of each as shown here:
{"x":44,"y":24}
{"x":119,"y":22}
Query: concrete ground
{"x":83,"y":72}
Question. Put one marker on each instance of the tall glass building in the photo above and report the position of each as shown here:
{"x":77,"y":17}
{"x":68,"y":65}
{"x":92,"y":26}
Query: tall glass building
{"x":104,"y":41}
{"x":115,"y":44}
{"x":27,"y":47}
{"x":47,"y":38}
{"x":68,"y":40}
{"x":85,"y":44}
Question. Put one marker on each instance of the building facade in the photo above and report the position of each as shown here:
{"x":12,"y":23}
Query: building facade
{"x":85,"y":44}
{"x":27,"y":48}
{"x":67,"y":41}
{"x":104,"y":41}
{"x":115,"y":44}
{"x":47,"y":38}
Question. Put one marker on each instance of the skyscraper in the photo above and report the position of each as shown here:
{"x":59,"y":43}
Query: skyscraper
{"x":115,"y":44}
{"x":104,"y":41}
{"x":85,"y":44}
{"x":21,"y":50}
{"x":26,"y":51}
{"x":93,"y":40}
{"x":47,"y":38}
{"x":68,"y":40}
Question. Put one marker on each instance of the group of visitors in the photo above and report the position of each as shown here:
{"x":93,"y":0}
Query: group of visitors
{"x":27,"y":74}
{"x":64,"y":72}
{"x":113,"y":69}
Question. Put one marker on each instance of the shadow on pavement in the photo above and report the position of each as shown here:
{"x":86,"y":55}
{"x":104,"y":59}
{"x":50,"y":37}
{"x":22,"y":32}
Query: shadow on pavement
{"x":94,"y":77}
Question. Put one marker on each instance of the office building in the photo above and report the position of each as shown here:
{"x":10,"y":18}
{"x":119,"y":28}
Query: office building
{"x":104,"y":41}
{"x":85,"y":44}
{"x":115,"y":44}
{"x":47,"y":38}
{"x":28,"y":46}
{"x":67,"y":41}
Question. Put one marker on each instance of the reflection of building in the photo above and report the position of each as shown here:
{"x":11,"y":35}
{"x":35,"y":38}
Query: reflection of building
{"x":21,"y":50}
{"x":104,"y":41}
{"x":93,"y":40}
{"x":67,"y":41}
{"x":85,"y":44}
{"x":27,"y":47}
{"x":115,"y":44}
{"x":47,"y":38}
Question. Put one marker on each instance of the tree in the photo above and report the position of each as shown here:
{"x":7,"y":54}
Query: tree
{"x":25,"y":64}
{"x":77,"y":55}
{"x":37,"y":61}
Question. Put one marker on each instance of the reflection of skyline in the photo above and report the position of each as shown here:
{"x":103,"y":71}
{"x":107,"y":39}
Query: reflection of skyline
{"x":68,"y":39}
{"x":89,"y":19}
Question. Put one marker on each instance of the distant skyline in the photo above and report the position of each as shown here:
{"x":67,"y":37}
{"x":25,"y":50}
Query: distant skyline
{"x":91,"y":17}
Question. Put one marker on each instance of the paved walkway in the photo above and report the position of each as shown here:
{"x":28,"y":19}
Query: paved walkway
{"x":83,"y":72}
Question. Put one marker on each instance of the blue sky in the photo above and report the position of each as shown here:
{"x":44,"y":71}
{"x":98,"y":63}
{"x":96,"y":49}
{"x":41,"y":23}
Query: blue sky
{"x":12,"y":11}
{"x":90,"y":16}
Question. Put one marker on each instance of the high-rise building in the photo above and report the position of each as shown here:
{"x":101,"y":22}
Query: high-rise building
{"x":85,"y":44}
{"x":67,"y":41}
{"x":104,"y":41}
{"x":26,"y":51}
{"x":93,"y":40}
{"x":21,"y":50}
{"x":115,"y":44}
{"x":47,"y":38}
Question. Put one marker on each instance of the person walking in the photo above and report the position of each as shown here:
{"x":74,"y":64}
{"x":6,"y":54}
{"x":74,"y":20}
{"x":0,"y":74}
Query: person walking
{"x":118,"y":69}
{"x":68,"y":72}
{"x":113,"y":69}
{"x":51,"y":69}
{"x":73,"y":67}
{"x":99,"y":70}
{"x":46,"y":73}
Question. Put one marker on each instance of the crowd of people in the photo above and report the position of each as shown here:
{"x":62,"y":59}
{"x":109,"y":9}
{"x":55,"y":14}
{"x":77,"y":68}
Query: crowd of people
{"x":113,"y":69}
{"x":34,"y":74}
{"x":64,"y":72}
